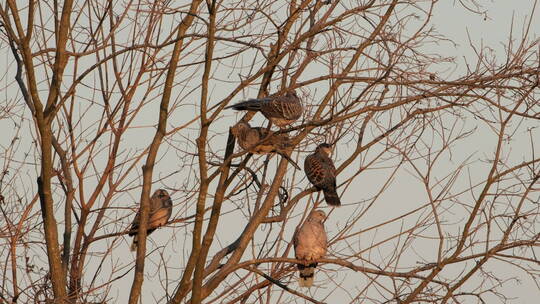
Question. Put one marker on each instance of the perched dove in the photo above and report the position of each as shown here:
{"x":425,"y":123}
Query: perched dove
{"x":160,"y":212}
{"x":280,"y":110}
{"x":321,"y":173}
{"x":261,"y":141}
{"x":310,"y":245}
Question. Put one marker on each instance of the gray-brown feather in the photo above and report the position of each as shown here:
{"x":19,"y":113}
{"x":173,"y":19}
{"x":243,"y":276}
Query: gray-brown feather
{"x":160,"y":212}
{"x":310,"y":244}
{"x":259,"y":140}
{"x":262,"y":141}
{"x":320,"y":171}
{"x":281,"y":110}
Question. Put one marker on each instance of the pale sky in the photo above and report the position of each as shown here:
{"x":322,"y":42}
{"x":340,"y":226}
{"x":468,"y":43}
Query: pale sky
{"x":450,"y":20}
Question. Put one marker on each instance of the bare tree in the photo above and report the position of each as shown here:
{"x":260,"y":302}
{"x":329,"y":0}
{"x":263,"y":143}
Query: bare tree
{"x":436,"y":156}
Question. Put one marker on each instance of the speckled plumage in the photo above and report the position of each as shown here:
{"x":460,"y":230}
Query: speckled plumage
{"x":280,"y":110}
{"x":160,"y":212}
{"x":321,"y":172}
{"x":310,"y":244}
{"x":261,"y":141}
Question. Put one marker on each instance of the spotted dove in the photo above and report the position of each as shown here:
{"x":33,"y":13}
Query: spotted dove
{"x":310,"y":245}
{"x":321,"y":172}
{"x":258,"y":140}
{"x":160,"y":212}
{"x":280,"y":110}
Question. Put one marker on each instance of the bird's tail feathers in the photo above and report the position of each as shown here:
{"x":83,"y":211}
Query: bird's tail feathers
{"x":135,"y":242}
{"x":331,"y":197}
{"x":251,"y":105}
{"x":305,"y":282}
{"x":307,"y":273}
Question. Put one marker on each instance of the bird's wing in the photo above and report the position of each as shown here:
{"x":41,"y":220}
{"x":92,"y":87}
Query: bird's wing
{"x":329,"y":170}
{"x":295,"y":238}
{"x":320,"y":239}
{"x":135,"y":224}
{"x":315,"y":170}
{"x":275,"y":141}
{"x":285,"y":107}
{"x":299,"y":244}
{"x":262,"y":133}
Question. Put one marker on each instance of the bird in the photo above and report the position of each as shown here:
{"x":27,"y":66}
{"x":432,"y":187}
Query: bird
{"x":310,"y":245}
{"x":160,"y":212}
{"x":321,"y":172}
{"x":258,"y":140}
{"x":281,"y":110}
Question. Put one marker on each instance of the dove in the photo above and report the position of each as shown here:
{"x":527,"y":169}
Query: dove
{"x":160,"y":212}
